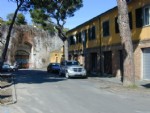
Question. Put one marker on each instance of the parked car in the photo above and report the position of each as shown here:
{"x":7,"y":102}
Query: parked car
{"x":14,"y":67}
{"x":6,"y":68}
{"x":53,"y":67}
{"x":72,"y":68}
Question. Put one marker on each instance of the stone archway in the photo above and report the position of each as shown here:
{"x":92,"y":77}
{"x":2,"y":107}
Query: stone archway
{"x":22,"y":55}
{"x":22,"y":58}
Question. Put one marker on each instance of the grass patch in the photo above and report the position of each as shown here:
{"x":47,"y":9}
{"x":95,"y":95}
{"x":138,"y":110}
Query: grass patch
{"x":132,"y":86}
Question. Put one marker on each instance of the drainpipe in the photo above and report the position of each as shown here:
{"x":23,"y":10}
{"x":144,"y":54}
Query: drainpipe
{"x":100,"y":49}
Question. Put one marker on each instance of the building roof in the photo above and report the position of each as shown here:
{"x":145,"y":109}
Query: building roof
{"x":92,"y":19}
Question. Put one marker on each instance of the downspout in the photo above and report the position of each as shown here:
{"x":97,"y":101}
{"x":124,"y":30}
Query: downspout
{"x":100,"y":48}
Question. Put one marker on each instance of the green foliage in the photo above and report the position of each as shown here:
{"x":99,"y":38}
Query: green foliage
{"x":9,"y":18}
{"x":20,"y":20}
{"x":38,"y":16}
{"x":40,"y":19}
{"x":56,"y":9}
{"x":1,"y":21}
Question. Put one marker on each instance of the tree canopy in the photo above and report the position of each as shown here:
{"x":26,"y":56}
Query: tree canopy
{"x":20,"y":19}
{"x":41,"y":20}
{"x":56,"y":9}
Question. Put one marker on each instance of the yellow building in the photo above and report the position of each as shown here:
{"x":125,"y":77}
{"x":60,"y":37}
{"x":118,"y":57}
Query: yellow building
{"x":56,"y":56}
{"x":98,"y":41}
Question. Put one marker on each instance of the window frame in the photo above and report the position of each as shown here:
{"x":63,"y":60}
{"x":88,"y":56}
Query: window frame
{"x":145,"y":16}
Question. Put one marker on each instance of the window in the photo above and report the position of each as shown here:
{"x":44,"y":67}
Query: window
{"x":72,"y":41}
{"x":146,"y":15}
{"x":85,"y":32}
{"x":84,"y":36}
{"x":79,"y":38}
{"x":91,"y":33}
{"x":105,"y":28}
{"x":142,"y":16}
{"x":139,"y":19}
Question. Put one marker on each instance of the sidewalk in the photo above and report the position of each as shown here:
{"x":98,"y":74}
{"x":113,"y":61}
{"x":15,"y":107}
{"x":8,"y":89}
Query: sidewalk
{"x":7,"y":92}
{"x":114,"y":81}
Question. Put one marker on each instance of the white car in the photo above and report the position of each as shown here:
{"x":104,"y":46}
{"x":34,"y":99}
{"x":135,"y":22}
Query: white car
{"x":72,"y":68}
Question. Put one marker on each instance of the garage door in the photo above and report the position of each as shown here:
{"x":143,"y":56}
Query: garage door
{"x":146,"y":63}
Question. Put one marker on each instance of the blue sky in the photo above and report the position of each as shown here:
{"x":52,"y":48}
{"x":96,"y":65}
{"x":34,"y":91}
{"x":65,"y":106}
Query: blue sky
{"x":90,"y":9}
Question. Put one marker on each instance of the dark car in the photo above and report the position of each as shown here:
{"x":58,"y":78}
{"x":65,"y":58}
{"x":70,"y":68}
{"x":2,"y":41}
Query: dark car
{"x":53,"y":67}
{"x":6,"y":68}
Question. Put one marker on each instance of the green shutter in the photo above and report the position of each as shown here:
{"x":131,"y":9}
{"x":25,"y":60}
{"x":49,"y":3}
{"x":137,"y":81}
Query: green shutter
{"x":93,"y":32}
{"x":116,"y":25}
{"x":89,"y":33}
{"x":130,"y":20}
{"x":139,"y":19}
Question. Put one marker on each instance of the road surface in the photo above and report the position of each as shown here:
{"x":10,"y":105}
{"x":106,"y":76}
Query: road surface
{"x":40,"y":92}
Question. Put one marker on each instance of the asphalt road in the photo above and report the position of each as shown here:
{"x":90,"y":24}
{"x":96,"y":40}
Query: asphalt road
{"x":40,"y":92}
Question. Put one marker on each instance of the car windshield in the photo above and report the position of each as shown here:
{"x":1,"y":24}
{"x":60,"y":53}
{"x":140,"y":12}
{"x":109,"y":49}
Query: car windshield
{"x":72,"y":63}
{"x":55,"y":64}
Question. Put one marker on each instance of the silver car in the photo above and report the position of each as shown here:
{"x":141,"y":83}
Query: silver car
{"x":72,"y":68}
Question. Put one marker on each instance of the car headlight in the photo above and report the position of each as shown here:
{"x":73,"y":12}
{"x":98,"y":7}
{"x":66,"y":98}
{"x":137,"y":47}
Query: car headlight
{"x":70,"y":69}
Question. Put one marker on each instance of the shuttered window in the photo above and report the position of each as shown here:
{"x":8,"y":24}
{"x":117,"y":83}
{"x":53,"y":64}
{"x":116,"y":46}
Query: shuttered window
{"x":91,"y":33}
{"x":105,"y":28}
{"x":116,"y":25}
{"x":79,"y":38}
{"x":139,"y":19}
{"x":72,"y":42}
{"x":130,"y":20}
{"x":146,"y":11}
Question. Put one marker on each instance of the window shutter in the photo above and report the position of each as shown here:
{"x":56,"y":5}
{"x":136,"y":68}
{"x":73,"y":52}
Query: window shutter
{"x":116,"y":25}
{"x":85,"y":35}
{"x":79,"y":38}
{"x":106,"y":28}
{"x":93,"y":32}
{"x":139,"y":19}
{"x":89,"y":33}
{"x":130,"y":20}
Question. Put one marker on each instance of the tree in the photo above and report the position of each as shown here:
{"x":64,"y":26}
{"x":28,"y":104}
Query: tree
{"x":9,"y":18}
{"x":1,"y":21}
{"x":58,"y":10}
{"x":19,"y":4}
{"x":41,"y":20}
{"x":125,"y":33}
{"x":20,"y":20}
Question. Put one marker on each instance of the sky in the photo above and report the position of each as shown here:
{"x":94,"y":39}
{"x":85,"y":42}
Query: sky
{"x":90,"y":9}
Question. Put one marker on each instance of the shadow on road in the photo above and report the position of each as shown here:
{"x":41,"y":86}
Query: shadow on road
{"x":35,"y":77}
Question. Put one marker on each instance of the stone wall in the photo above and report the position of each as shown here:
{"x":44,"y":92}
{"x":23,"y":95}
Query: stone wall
{"x":34,"y":42}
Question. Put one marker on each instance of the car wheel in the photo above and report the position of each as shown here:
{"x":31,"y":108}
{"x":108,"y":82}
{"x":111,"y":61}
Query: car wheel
{"x":66,"y":75}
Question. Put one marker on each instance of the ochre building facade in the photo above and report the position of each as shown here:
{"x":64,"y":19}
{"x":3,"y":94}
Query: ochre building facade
{"x":96,"y":44}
